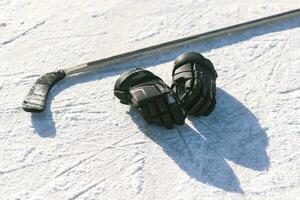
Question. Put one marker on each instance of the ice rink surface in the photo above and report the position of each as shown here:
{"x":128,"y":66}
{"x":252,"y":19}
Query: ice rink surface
{"x":86,"y":145}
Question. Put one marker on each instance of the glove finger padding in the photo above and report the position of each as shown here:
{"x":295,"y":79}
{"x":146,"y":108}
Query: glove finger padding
{"x":194,"y":83}
{"x":154,"y":99}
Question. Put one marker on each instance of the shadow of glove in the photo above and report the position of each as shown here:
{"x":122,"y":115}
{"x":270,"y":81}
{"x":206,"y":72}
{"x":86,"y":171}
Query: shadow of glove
{"x":154,"y":99}
{"x":194,"y":83}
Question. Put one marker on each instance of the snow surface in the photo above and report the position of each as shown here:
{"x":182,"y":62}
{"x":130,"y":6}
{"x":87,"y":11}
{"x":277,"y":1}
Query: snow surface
{"x":87,"y":145}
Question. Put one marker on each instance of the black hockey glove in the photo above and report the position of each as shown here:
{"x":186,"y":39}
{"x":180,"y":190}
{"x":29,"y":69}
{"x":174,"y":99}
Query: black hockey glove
{"x":153,"y":98}
{"x":194,"y":82}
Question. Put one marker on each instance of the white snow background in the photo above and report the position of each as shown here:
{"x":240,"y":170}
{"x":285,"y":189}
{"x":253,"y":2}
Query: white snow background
{"x":86,"y":145}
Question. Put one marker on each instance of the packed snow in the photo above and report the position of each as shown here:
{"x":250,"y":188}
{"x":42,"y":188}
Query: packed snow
{"x":86,"y":145}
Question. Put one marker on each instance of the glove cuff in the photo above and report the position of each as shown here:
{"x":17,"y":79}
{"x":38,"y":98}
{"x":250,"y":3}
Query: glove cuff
{"x":131,"y":79}
{"x":194,"y":57}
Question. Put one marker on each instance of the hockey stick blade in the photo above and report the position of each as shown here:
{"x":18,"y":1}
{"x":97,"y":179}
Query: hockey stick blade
{"x":36,"y":98}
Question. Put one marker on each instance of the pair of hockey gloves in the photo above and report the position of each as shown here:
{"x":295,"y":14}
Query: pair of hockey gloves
{"x":193,"y":91}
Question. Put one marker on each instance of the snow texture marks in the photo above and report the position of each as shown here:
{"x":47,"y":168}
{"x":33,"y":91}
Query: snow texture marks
{"x":22,"y":33}
{"x":87,"y":145}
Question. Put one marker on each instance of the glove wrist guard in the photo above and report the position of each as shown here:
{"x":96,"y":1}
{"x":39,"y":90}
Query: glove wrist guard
{"x":194,"y":57}
{"x":131,"y":79}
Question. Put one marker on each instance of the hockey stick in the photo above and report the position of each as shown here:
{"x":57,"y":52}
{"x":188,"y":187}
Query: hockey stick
{"x":36,"y":98}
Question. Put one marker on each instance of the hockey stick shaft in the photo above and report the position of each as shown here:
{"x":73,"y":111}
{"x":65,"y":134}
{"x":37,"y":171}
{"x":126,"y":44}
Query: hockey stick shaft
{"x":168,"y":46}
{"x":35,"y":100}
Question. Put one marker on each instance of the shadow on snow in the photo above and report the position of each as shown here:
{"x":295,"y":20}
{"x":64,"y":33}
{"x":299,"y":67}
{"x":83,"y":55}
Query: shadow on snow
{"x":231,"y":133}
